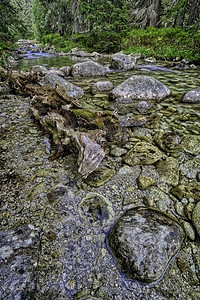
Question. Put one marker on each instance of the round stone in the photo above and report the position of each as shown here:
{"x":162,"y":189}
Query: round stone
{"x":196,"y":217}
{"x":144,"y":241}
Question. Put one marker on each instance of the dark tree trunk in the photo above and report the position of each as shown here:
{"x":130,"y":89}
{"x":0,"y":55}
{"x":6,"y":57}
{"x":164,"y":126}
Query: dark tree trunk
{"x":155,"y":16}
{"x":193,"y":12}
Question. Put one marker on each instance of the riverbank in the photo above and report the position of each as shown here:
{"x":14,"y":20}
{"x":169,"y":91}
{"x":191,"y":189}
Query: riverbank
{"x":55,"y":222}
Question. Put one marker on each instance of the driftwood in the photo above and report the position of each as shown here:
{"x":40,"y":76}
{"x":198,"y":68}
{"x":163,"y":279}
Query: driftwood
{"x":66,"y":119}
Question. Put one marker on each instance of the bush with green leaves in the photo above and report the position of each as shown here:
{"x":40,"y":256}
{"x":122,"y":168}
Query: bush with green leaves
{"x":164,"y":43}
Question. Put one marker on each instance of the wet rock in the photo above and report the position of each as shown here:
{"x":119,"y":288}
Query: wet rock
{"x":192,"y":96}
{"x":145,"y":182}
{"x":102,"y":86}
{"x":18,"y":256}
{"x":122,"y":61}
{"x":161,"y":199}
{"x":90,"y":154}
{"x":66,"y":70}
{"x":96,"y":209}
{"x":168,"y":170}
{"x":167,"y":141}
{"x":189,"y":230}
{"x":57,"y":72}
{"x":4,"y":88}
{"x":88,"y":68}
{"x":142,"y":153}
{"x":145,"y":107}
{"x":144,"y":241}
{"x":41,"y":70}
{"x":196,"y":217}
{"x":70,"y":89}
{"x":131,"y":120}
{"x":100,"y":176}
{"x":190,"y":168}
{"x":140,"y":88}
{"x":191,"y":190}
{"x":117,"y":151}
{"x":78,"y":52}
{"x":191,"y":144}
{"x":179,"y":209}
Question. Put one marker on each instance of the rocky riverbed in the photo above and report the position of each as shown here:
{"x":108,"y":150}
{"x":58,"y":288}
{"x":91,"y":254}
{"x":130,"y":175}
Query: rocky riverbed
{"x":55,"y":239}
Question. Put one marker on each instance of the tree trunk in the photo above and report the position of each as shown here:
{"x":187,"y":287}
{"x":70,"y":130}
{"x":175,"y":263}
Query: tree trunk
{"x":155,"y":16}
{"x":193,"y":12}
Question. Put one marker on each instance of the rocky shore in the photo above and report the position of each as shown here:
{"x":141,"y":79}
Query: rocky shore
{"x":100,"y":184}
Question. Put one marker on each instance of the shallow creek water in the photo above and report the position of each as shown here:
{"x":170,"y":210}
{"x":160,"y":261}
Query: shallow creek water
{"x":52,"y":240}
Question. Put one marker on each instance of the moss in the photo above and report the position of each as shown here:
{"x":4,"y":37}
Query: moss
{"x":85,"y":114}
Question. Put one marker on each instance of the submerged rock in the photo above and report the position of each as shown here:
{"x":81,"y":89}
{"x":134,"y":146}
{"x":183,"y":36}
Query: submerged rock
{"x":19,"y":249}
{"x":191,"y":144}
{"x":142,"y":153}
{"x":168,"y":170}
{"x":70,"y":89}
{"x":88,"y":68}
{"x":192,"y":96}
{"x":95,"y":209}
{"x":140,"y":88}
{"x":144,"y":241}
{"x":196,"y":217}
{"x":102,"y":86}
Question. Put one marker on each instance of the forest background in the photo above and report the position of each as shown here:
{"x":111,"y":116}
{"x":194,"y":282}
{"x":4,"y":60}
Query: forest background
{"x":163,"y":29}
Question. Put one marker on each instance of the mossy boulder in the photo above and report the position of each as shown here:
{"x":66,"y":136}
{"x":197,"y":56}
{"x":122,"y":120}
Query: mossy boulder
{"x":168,"y":170}
{"x":142,"y":153}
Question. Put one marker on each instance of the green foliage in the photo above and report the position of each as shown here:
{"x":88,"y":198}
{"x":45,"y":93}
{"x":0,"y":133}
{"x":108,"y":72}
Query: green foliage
{"x":10,"y":28}
{"x":107,"y":22}
{"x":51,"y":17}
{"x":164,"y":43}
{"x":23,"y":10}
{"x":63,"y":43}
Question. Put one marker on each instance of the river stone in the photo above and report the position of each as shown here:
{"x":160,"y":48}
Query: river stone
{"x":122,"y":61}
{"x":142,"y":153}
{"x":42,"y":70}
{"x":144,"y":241}
{"x":66,"y":70}
{"x":145,"y":182}
{"x":168,"y":170}
{"x":19,"y":258}
{"x":71,"y":90}
{"x":88,"y":68}
{"x":145,"y":107}
{"x":191,"y":144}
{"x":196,"y":217}
{"x":102,"y":86}
{"x":140,"y":88}
{"x":192,"y":96}
{"x":95,"y":209}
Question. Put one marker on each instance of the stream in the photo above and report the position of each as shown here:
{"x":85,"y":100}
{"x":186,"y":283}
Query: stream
{"x":54,"y":223}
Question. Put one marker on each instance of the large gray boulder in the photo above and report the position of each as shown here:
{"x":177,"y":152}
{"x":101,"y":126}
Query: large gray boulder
{"x":122,"y":61}
{"x":144,"y":241}
{"x":88,"y":68}
{"x":71,"y":90}
{"x":192,"y":96}
{"x":139,"y":88}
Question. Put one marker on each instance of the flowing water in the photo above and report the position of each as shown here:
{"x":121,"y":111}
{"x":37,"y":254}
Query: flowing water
{"x":52,"y":242}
